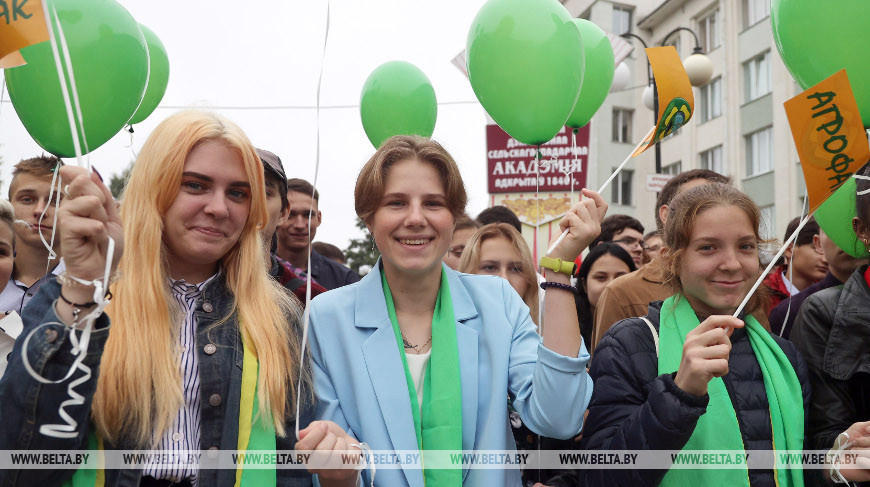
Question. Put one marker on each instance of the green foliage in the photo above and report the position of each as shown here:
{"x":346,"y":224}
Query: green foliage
{"x":119,"y":181}
{"x":361,"y":251}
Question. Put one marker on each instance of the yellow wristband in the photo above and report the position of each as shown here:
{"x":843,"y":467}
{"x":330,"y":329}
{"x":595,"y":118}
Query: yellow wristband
{"x":558,"y":265}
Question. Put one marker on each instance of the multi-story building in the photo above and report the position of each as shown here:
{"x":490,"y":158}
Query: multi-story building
{"x":739,"y":127}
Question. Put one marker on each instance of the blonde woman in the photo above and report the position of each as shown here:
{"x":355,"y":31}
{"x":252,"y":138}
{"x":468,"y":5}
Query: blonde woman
{"x":498,"y":249}
{"x":197,"y":324}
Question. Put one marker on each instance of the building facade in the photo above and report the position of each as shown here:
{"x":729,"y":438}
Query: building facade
{"x":739,"y":127}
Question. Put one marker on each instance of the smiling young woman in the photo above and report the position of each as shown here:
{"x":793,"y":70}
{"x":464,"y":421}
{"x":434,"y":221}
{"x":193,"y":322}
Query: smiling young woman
{"x":199,"y":332}
{"x":690,"y":376}
{"x":498,"y":249}
{"x":417,"y":356}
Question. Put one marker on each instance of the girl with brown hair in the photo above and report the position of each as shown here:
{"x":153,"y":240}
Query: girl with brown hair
{"x":419,"y":357}
{"x":689,"y":375}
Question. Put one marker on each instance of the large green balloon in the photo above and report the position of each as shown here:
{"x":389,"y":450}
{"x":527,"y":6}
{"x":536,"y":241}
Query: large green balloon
{"x":597,"y":73}
{"x":835,"y":217}
{"x":158,"y":76}
{"x":110,"y":63}
{"x":525,"y":62}
{"x":397,"y":99}
{"x":816,"y":39}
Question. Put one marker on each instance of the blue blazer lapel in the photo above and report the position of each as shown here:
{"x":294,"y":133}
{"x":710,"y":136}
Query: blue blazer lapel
{"x":385,"y":369}
{"x":391,"y":388}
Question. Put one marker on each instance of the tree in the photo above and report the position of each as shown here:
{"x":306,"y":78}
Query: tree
{"x":362,"y":251}
{"x":119,"y":181}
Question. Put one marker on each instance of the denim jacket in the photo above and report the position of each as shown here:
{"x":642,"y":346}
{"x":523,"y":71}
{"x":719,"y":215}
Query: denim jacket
{"x":25,"y":404}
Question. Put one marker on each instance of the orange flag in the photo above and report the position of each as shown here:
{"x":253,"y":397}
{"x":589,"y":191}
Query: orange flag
{"x":22,"y":23}
{"x":829,"y":135}
{"x":676,"y":102}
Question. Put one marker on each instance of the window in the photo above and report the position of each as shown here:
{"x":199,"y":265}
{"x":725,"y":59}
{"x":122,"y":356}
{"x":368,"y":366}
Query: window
{"x":757,"y":74}
{"x":674,"y":40}
{"x":711,"y":100}
{"x":621,"y":20}
{"x":622,"y":187}
{"x":622,"y":125}
{"x":754,"y":11}
{"x":768,"y":222}
{"x":710,"y":30}
{"x":711,"y":159}
{"x":759,"y":152}
{"x":673,"y":169}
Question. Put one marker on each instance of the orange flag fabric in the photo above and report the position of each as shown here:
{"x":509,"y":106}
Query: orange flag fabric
{"x":22,"y":24}
{"x":829,"y":135}
{"x":676,"y":101}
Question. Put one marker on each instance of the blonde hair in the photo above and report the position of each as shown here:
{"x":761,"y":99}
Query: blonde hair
{"x":139,"y":390}
{"x":471,"y":259}
{"x":369,"y":188}
{"x":7,"y":215}
{"x":684,"y":210}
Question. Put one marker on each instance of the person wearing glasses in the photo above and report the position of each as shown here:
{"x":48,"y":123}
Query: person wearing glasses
{"x":465,"y":228}
{"x":626,"y":231}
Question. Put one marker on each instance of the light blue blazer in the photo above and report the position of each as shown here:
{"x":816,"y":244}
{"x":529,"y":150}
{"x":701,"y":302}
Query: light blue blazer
{"x":360,"y":380}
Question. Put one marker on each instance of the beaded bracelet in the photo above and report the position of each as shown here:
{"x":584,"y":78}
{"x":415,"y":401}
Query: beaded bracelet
{"x":558,"y":285}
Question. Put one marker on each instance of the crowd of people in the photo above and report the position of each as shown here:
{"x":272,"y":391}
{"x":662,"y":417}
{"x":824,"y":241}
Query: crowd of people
{"x":455,"y":340}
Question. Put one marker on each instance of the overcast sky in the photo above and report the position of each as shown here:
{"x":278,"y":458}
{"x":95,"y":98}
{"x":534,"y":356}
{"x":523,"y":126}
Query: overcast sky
{"x":267,"y":53}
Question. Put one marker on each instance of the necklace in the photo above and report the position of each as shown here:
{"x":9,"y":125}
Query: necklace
{"x":418,"y":349}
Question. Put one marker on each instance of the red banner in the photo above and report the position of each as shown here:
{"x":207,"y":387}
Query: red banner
{"x":511,"y":164}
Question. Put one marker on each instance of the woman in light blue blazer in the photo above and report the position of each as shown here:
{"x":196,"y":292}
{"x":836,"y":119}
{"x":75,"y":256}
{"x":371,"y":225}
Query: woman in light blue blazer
{"x":417,"y":357}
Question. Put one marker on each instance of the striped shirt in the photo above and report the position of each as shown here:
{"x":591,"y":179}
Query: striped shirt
{"x":184,"y":434}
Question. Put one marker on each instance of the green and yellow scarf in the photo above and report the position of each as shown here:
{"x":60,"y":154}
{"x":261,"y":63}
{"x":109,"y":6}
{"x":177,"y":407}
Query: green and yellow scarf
{"x":255,"y":433}
{"x":718,"y":429}
{"x":440,"y":427}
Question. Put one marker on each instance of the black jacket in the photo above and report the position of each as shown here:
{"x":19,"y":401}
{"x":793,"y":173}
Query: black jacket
{"x":633,"y":408}
{"x":833,"y":333}
{"x":329,"y":274}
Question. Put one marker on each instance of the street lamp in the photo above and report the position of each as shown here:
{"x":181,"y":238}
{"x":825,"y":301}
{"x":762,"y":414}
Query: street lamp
{"x":698,"y":67}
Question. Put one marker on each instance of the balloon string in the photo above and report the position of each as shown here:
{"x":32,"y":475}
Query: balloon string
{"x":54,"y":193}
{"x":307,"y":311}
{"x":75,"y":93}
{"x":791,"y":272}
{"x":573,"y":161}
{"x":537,"y":197}
{"x":63,"y":88}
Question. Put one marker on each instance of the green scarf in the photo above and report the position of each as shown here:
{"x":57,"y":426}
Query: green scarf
{"x":440,"y":428}
{"x":255,"y":433}
{"x":718,"y":429}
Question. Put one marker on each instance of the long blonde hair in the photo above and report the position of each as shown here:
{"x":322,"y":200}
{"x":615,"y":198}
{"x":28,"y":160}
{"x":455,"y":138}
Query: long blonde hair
{"x":471,"y":259}
{"x":139,"y":390}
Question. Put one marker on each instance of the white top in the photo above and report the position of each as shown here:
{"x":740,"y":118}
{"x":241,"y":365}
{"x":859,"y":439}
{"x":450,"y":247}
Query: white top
{"x":792,"y":290}
{"x":417,"y":367}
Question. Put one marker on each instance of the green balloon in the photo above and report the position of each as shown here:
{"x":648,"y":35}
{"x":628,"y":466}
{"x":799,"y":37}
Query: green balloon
{"x":110,"y":62}
{"x":397,"y":99}
{"x":835,"y":215}
{"x":597,"y":73}
{"x":816,"y":39}
{"x":158,"y":76}
{"x":525,"y":62}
